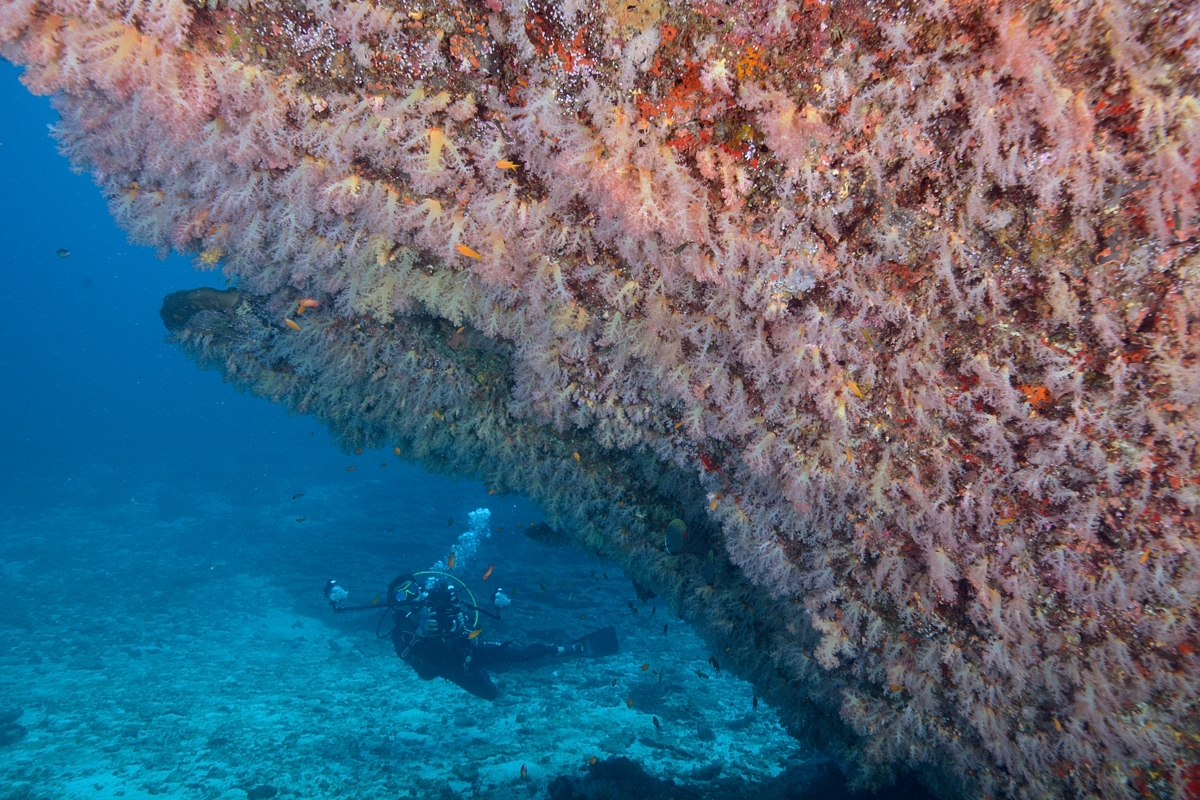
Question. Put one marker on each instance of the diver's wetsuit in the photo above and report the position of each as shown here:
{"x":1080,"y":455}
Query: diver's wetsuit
{"x":447,"y":652}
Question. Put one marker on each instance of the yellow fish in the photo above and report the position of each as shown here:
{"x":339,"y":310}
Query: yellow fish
{"x":474,"y":633}
{"x":291,"y":324}
{"x":396,"y":450}
{"x":468,"y":252}
{"x":504,"y":163}
{"x":450,"y":562}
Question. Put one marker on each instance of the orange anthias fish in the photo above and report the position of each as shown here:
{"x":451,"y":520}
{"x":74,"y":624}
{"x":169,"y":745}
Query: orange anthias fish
{"x":467,"y":251}
{"x":292,"y":325}
{"x":488,"y":574}
{"x":450,"y":562}
{"x":474,"y":633}
{"x":307,"y":302}
{"x":504,"y":163}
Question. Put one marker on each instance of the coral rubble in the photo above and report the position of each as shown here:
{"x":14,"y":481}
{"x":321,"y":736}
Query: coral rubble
{"x":891,"y":304}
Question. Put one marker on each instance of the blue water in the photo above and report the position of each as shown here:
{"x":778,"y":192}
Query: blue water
{"x":164,"y":540}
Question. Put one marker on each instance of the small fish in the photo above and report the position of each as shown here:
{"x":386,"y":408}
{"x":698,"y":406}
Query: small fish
{"x":301,"y":519}
{"x":524,"y":772}
{"x":681,"y":248}
{"x":474,"y":633}
{"x":450,"y":562}
{"x":895,"y":687}
{"x":661,"y":672}
{"x":657,"y":724}
{"x":614,"y":682}
{"x":383,"y":463}
{"x":592,"y":760}
{"x":291,"y":324}
{"x":645,"y":667}
{"x":488,"y":573}
{"x":349,"y":469}
{"x":653,"y":609}
{"x":297,"y":495}
{"x":468,"y":252}
{"x":1006,"y":520}
{"x":867,"y":334}
{"x":632,"y":607}
{"x":62,"y":252}
{"x":576,"y":455}
{"x":605,"y":574}
{"x":375,"y":600}
{"x":542,"y":585}
{"x":854,"y":389}
{"x":1145,"y":556}
{"x":450,"y":522}
{"x":713,"y":660}
{"x":665,"y":627}
{"x":754,"y":701}
{"x":629,"y":703}
{"x":1057,"y":725}
{"x":396,"y":450}
{"x":306,"y":303}
{"x":504,"y":163}
{"x":702,"y":674}
{"x":358,"y":451}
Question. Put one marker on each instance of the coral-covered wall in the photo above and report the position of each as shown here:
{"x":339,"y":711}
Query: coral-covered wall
{"x":908,"y":293}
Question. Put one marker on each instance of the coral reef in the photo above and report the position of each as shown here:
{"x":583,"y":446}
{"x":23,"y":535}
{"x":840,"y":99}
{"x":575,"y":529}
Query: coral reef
{"x":892,"y":305}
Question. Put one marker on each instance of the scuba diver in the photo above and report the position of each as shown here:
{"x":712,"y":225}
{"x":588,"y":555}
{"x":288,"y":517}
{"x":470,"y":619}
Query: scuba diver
{"x":435,"y":629}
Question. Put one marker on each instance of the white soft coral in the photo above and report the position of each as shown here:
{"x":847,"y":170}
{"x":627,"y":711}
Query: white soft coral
{"x":715,"y":76}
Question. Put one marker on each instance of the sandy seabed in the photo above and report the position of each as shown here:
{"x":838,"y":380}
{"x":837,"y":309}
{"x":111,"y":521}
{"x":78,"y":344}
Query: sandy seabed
{"x":155,"y":647}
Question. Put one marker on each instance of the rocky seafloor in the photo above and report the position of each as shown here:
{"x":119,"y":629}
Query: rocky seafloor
{"x":176,"y":643}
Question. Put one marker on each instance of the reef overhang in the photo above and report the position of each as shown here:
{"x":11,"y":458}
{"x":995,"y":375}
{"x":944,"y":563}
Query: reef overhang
{"x":895,"y":305}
